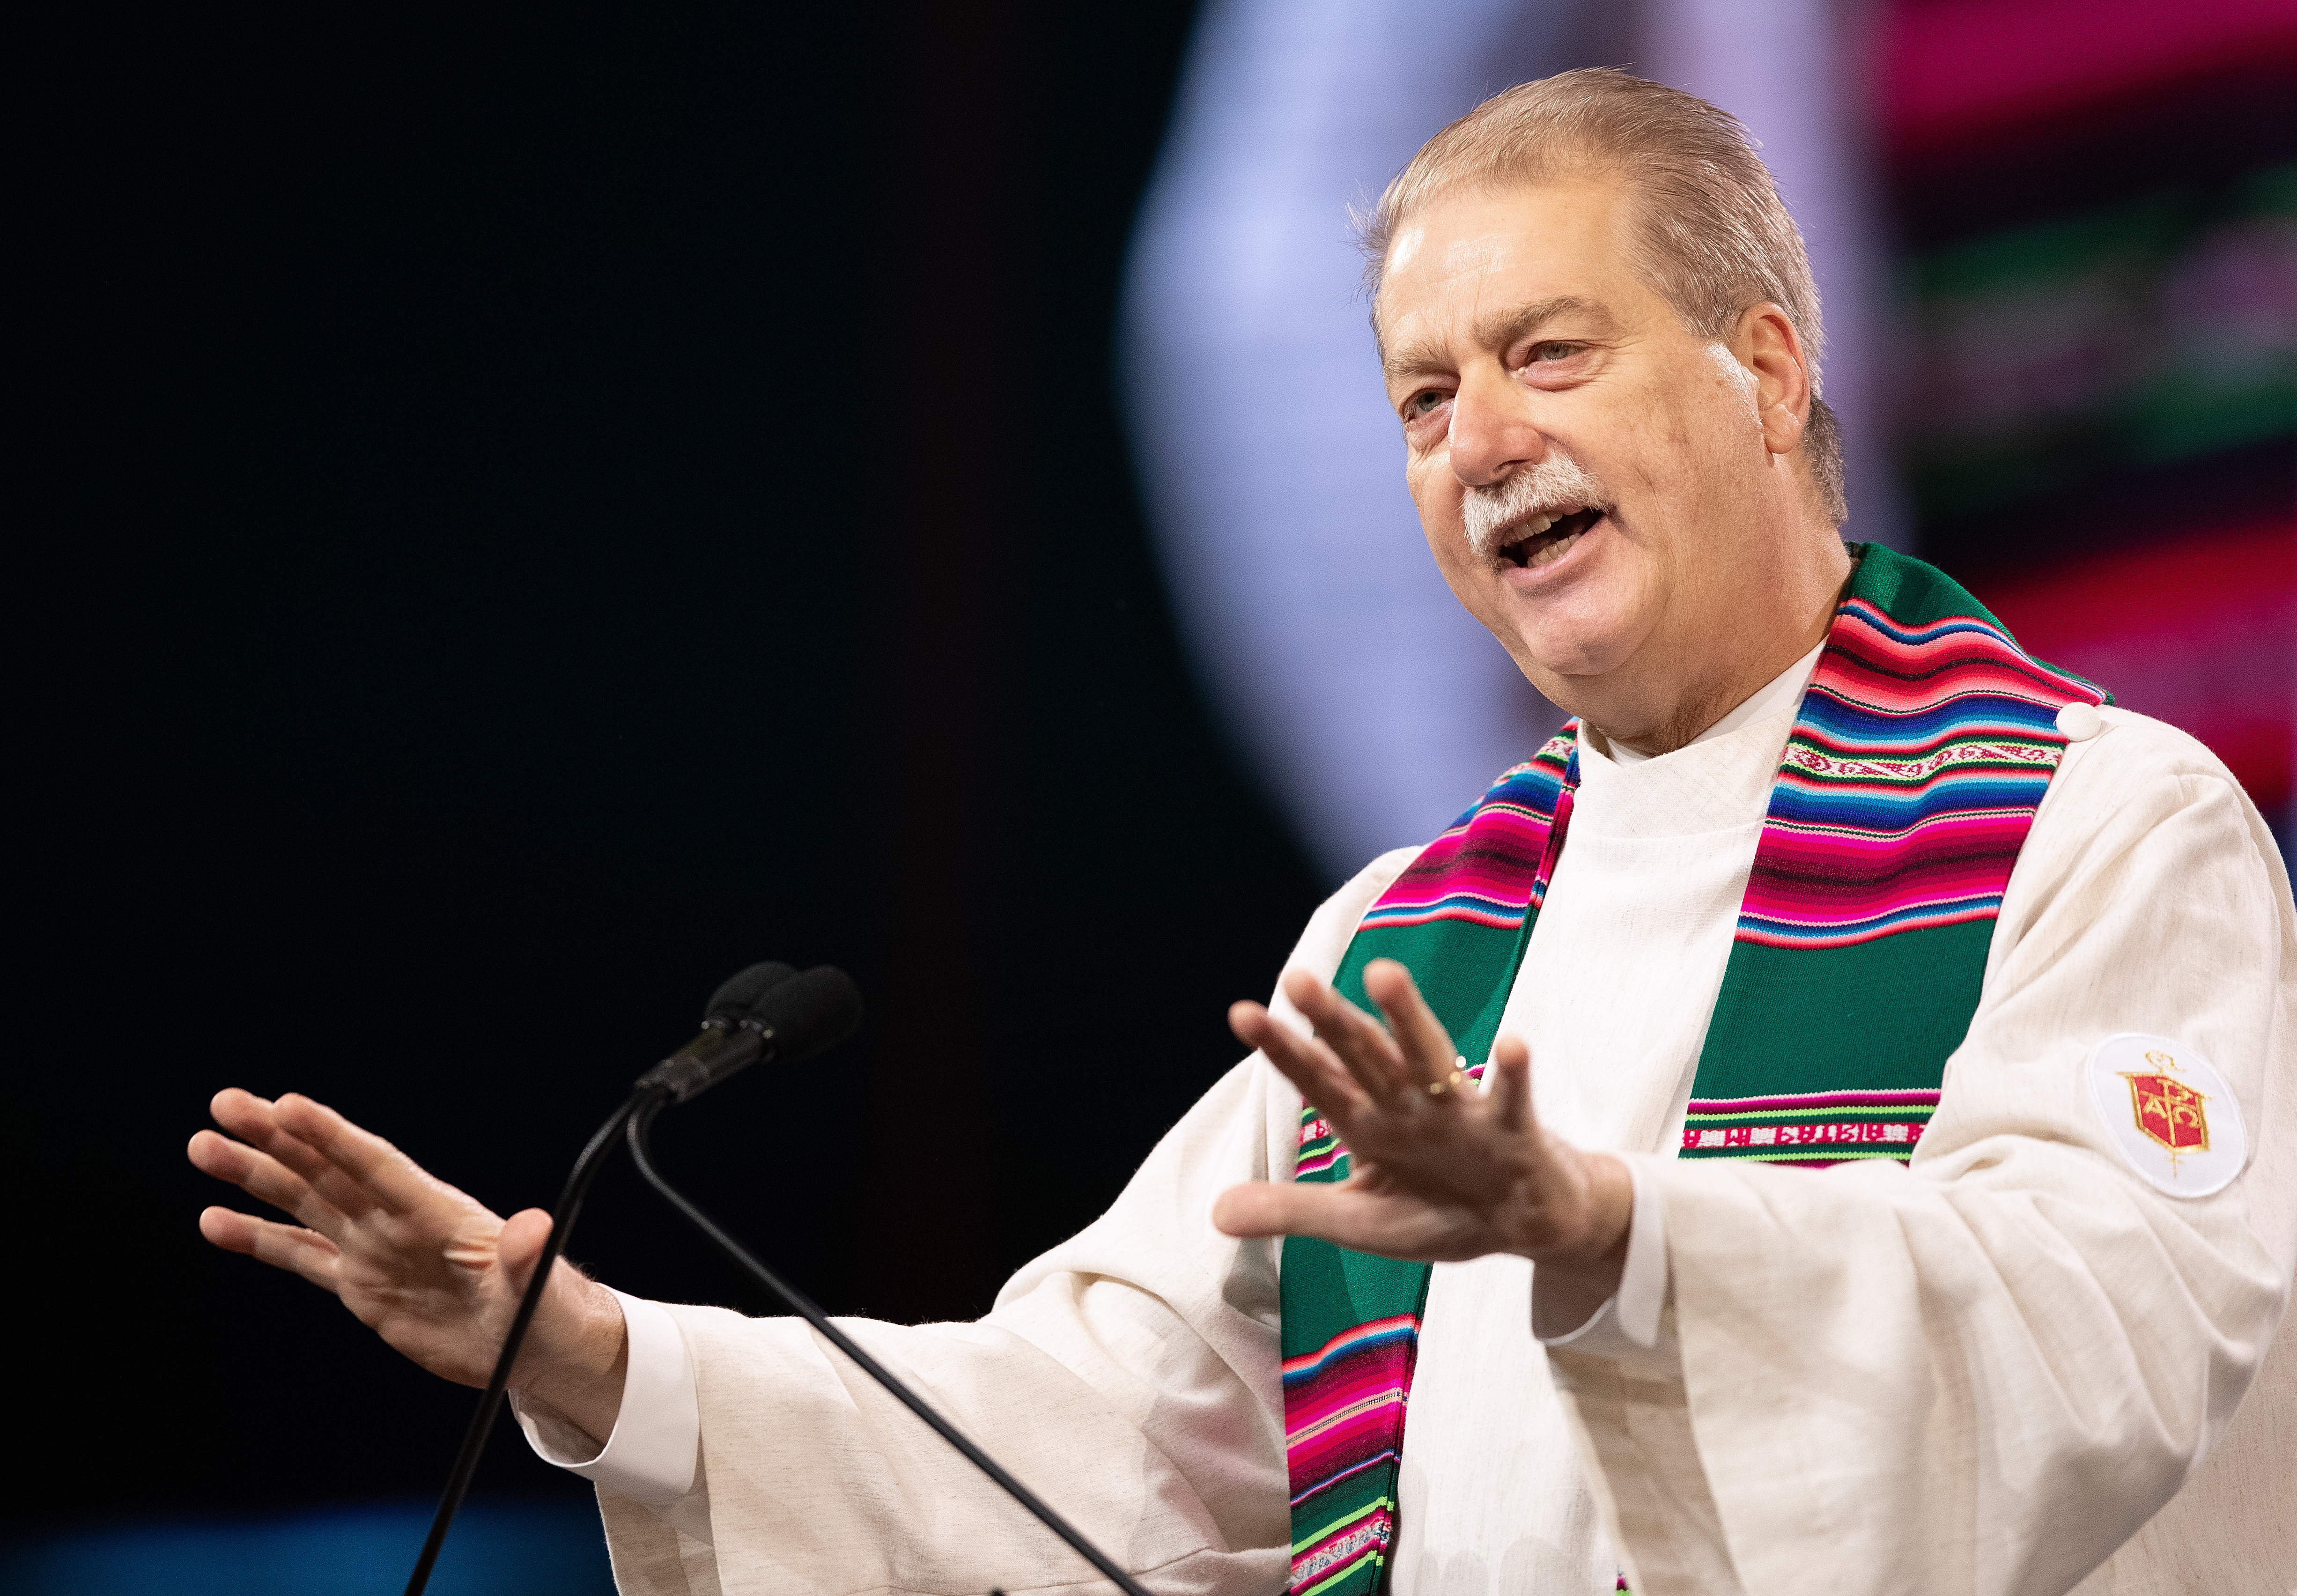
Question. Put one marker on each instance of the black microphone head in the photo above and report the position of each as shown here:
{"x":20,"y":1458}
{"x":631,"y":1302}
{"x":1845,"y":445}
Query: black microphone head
{"x":739,"y":992}
{"x":800,"y":1017}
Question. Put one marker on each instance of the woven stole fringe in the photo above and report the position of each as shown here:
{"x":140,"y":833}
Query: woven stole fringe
{"x":1921,"y":751}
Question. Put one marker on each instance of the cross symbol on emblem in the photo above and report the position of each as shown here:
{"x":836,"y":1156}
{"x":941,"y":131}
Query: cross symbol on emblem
{"x":2167,"y":1110}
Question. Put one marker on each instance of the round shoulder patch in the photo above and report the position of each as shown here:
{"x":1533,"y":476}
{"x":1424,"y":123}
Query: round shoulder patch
{"x":2167,"y":1112}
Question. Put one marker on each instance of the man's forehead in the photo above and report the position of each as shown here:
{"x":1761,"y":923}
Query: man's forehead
{"x":1481,"y":263}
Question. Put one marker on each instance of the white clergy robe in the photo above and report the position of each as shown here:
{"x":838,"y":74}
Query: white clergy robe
{"x":1981,"y":1372}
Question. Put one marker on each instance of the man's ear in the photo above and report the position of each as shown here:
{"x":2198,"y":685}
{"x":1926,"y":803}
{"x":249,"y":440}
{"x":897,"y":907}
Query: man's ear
{"x":1766,"y":344}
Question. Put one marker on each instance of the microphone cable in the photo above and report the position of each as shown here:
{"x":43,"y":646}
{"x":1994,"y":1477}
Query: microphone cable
{"x":638,"y":1128}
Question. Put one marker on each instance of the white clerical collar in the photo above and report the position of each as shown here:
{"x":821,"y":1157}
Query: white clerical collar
{"x":1783,"y":692}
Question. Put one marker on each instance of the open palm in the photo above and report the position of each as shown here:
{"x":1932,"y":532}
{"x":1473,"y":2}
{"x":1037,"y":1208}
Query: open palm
{"x":1438,"y":1170}
{"x":432,"y":1269}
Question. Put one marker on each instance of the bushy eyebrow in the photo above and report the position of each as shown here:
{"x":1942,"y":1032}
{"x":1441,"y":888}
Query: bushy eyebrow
{"x":1495,"y":329}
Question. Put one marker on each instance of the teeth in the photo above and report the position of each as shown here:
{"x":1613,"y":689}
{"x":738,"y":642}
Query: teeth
{"x":1547,"y":554}
{"x":1534,"y":526}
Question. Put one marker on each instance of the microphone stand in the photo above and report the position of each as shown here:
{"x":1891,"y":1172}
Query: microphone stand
{"x":637,"y":1124}
{"x":648,"y":1099}
{"x":723,"y":1048}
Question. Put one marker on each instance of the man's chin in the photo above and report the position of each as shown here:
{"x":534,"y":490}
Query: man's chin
{"x":1579,"y":632}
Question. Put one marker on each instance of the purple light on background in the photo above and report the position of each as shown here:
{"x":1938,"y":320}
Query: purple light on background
{"x":1372,"y":706}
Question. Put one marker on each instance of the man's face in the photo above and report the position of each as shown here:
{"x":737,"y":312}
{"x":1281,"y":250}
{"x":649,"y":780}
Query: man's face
{"x":1592,"y":477}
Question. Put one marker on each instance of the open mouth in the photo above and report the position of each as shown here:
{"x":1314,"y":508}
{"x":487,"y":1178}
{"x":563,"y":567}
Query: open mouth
{"x":1546,"y":538}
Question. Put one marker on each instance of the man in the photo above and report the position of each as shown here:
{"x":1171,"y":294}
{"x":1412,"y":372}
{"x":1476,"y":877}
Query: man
{"x":1826,"y":872}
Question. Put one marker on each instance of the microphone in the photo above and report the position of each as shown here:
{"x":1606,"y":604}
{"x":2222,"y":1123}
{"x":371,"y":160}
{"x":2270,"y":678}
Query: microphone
{"x":767,"y":1011}
{"x":739,"y":990}
{"x":721,"y":1047}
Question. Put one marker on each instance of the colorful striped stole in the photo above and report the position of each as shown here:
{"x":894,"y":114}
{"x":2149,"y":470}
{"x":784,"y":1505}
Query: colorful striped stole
{"x":1922,"y":749}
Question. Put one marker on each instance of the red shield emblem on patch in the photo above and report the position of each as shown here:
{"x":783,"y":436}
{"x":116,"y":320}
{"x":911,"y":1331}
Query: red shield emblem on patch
{"x":2169,"y":1111}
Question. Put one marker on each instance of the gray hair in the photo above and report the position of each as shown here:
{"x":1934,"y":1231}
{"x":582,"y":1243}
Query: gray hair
{"x":1711,"y":235}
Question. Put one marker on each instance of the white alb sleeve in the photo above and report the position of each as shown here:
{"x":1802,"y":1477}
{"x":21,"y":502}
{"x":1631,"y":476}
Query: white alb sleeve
{"x":1627,"y":1325}
{"x":650,"y":1457}
{"x":1982,"y":1372}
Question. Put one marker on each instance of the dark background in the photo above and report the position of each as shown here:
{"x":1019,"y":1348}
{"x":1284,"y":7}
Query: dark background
{"x":520,"y":521}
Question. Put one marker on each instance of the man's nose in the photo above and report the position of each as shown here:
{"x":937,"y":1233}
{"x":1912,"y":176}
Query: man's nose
{"x":1491,"y":432}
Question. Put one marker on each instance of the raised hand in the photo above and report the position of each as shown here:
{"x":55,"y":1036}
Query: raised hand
{"x":431,"y":1270}
{"x":1435,"y":1172}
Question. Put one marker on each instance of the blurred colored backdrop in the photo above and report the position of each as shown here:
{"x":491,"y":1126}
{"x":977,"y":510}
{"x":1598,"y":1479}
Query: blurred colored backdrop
{"x":2057,"y":247}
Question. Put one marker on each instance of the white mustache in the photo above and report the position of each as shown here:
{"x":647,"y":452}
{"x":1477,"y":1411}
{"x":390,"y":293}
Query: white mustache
{"x":1558,"y":482}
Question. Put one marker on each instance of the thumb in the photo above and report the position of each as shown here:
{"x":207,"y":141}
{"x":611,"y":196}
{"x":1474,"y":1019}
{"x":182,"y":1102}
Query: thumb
{"x":519,"y":1247}
{"x":1269,"y":1208}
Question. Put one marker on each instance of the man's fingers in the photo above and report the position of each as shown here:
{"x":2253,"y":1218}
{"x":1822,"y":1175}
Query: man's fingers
{"x":1426,"y":1046}
{"x":1368,"y":1052}
{"x":234,"y":1108}
{"x":233,"y":1232}
{"x":256,"y":1121}
{"x":265,"y":1179}
{"x":1304,"y":1061}
{"x":379,"y":1171}
{"x":303,"y":1252}
{"x":1510,"y":1084}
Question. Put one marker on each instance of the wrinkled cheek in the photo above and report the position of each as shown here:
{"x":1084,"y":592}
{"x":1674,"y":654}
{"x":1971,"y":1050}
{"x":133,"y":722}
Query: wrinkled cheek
{"x":1447,"y":546}
{"x":1415,"y":482}
{"x":1437,"y":496}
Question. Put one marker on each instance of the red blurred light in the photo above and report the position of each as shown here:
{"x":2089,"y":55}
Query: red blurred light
{"x":1958,"y":68}
{"x":2198,"y":629}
